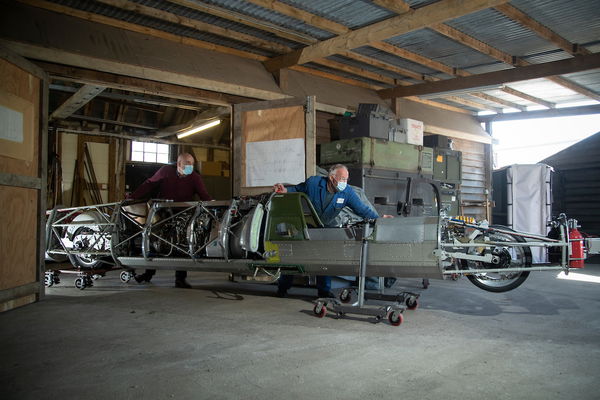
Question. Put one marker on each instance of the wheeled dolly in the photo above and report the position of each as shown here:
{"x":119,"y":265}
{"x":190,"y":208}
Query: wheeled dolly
{"x":84,"y":279}
{"x":392,"y":311}
{"x":127,"y":275}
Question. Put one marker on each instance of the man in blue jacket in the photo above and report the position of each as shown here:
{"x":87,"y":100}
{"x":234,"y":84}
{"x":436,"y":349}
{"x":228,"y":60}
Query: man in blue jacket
{"x":329,"y":195}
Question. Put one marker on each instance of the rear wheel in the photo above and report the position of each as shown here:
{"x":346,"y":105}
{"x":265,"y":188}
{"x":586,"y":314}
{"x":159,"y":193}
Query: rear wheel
{"x":507,"y":257}
{"x":81,"y":240}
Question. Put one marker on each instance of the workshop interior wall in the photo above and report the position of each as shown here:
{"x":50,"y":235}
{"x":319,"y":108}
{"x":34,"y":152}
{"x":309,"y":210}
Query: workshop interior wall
{"x":19,"y":217}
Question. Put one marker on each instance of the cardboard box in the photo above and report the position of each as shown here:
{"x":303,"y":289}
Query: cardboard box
{"x":211,"y":168}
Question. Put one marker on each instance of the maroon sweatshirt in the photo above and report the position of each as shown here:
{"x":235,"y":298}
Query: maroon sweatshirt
{"x":172,"y":186}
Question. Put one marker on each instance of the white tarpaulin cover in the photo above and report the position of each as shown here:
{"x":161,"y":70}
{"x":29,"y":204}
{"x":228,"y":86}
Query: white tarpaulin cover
{"x":529,"y":201}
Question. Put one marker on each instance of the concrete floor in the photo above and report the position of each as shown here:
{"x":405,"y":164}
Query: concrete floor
{"x":224,"y":340}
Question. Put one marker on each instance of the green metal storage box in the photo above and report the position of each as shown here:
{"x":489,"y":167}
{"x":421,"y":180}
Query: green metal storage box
{"x":378,"y":153}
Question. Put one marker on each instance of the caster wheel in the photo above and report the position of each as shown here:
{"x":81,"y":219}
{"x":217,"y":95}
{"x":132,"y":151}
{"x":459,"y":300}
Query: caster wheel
{"x":395,"y":318}
{"x":80,"y":283}
{"x":125,"y":276}
{"x":55,"y":279}
{"x":320,"y":310}
{"x":412,"y":303}
{"x":48,"y":280}
{"x":425,"y":283}
{"x":340,"y":314}
{"x":345,"y":296}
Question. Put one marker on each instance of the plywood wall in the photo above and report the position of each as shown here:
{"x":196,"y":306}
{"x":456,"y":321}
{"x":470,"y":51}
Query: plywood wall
{"x":20,"y":93}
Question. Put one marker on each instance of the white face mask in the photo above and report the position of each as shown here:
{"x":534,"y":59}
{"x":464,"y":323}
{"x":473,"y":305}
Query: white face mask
{"x":341,"y":186}
{"x":188,"y":169}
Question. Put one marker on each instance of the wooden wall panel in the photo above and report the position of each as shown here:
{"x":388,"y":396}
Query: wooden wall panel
{"x":270,"y":124}
{"x":18,"y":232}
{"x":16,"y":82}
{"x":21,"y":87}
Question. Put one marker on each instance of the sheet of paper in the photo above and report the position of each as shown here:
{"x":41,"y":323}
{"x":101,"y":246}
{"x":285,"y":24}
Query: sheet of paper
{"x":275,"y":161}
{"x":11,"y":125}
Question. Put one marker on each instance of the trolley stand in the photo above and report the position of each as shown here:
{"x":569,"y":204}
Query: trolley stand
{"x":85,"y":277}
{"x":393,"y":312}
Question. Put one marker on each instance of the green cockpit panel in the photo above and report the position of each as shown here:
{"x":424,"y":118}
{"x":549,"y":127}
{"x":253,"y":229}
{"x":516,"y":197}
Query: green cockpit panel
{"x":290,"y":214}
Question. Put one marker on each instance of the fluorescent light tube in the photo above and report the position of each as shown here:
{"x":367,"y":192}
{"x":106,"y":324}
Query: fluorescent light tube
{"x":198,"y":129}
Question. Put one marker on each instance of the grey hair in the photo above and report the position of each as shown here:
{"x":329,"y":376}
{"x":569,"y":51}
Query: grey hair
{"x":335,"y":167}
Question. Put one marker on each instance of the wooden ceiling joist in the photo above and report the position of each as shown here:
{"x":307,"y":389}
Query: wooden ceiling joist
{"x":79,"y":99}
{"x":525,"y":96}
{"x":138,"y":85}
{"x":408,"y":22}
{"x":197,"y":25}
{"x":519,"y":16}
{"x":246,"y":20}
{"x":576,"y":64}
{"x":400,"y":7}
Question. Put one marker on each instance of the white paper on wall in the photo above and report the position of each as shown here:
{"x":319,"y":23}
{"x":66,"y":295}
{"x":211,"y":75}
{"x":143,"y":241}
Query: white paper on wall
{"x":11,"y":125}
{"x":275,"y":161}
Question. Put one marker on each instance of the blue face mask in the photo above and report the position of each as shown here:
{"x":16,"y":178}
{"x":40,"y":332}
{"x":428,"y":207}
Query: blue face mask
{"x":341,"y":186}
{"x":188,"y":169}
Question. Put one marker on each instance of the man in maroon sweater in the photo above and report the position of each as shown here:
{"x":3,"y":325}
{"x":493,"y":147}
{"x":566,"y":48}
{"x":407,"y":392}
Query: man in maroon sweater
{"x":177,"y":183}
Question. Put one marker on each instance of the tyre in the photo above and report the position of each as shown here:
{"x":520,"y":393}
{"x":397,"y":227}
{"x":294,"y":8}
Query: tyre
{"x":80,"y":283}
{"x":320,"y":310}
{"x":345,"y":296}
{"x":412,"y":303}
{"x":395,"y":318}
{"x":84,"y":261}
{"x":509,"y":257}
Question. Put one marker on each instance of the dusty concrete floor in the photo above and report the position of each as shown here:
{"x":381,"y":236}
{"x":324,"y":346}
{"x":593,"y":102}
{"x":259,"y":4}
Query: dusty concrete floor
{"x":224,"y":340}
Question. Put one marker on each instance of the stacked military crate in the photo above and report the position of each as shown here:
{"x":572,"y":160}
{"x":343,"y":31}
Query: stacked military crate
{"x":387,"y":159}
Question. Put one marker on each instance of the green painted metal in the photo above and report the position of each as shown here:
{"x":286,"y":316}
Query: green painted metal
{"x":377,"y":153}
{"x":290,"y":214}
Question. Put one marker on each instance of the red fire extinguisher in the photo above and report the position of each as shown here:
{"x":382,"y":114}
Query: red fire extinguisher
{"x":577,"y":248}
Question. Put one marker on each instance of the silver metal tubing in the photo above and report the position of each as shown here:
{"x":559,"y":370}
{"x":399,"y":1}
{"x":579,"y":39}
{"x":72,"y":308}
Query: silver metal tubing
{"x":500,"y":244}
{"x":364,"y":254}
{"x":496,"y":270}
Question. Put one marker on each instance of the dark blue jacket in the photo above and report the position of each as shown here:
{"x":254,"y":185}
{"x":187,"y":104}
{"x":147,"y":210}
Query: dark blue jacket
{"x":315,"y":188}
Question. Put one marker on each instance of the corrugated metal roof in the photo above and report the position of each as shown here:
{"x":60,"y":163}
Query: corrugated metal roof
{"x":274,"y":17}
{"x":217,"y":21}
{"x":437,"y":47}
{"x":577,"y":21}
{"x":492,"y":27}
{"x":351,"y":13}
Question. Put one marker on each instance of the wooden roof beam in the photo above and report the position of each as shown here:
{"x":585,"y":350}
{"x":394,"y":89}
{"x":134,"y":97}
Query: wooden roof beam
{"x":336,"y":28}
{"x":417,"y":58}
{"x":408,"y":22}
{"x":541,"y":30}
{"x":576,"y":64}
{"x":197,"y":25}
{"x":247,"y":20}
{"x":400,"y":7}
{"x":80,"y":98}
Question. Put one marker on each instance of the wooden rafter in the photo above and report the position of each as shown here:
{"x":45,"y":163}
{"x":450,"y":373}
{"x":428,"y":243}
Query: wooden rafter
{"x":519,"y":16}
{"x":336,"y":28}
{"x":79,"y":99}
{"x":507,"y":59}
{"x":197,"y":25}
{"x":400,"y":7}
{"x":576,"y":64}
{"x":408,"y":22}
{"x":246,"y":20}
{"x":526,"y":96}
{"x":417,"y":58}
{"x":179,"y":39}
